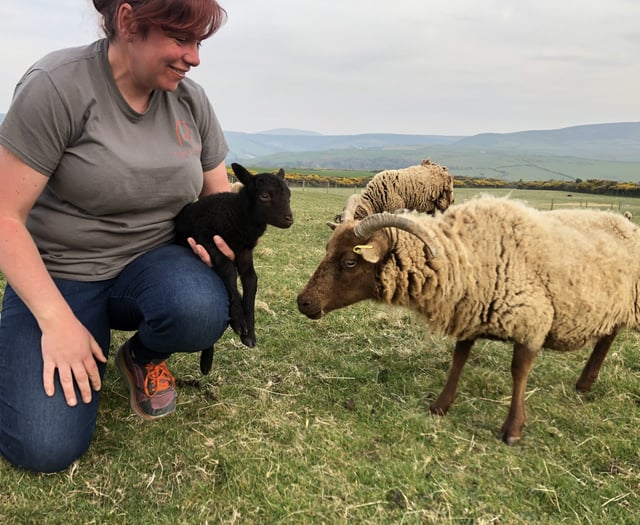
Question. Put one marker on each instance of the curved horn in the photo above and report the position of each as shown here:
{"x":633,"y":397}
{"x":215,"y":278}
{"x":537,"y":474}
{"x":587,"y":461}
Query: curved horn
{"x":369,"y":225}
{"x":350,"y":207}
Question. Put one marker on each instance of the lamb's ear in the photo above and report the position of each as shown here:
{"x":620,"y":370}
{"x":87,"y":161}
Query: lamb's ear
{"x":242,"y":174}
{"x":281,"y":173}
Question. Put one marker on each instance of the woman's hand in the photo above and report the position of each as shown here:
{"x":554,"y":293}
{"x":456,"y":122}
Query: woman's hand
{"x":201,"y":252}
{"x":71,"y":349}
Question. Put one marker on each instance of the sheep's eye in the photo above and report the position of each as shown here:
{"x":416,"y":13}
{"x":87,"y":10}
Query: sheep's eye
{"x":349,"y":263}
{"x":265,"y":196}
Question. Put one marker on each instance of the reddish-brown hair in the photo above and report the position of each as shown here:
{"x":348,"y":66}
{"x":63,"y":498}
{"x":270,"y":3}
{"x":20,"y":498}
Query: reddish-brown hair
{"x":198,"y":19}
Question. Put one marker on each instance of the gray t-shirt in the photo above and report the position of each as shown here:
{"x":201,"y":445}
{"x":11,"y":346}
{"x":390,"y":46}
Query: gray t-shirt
{"x":117,"y":178}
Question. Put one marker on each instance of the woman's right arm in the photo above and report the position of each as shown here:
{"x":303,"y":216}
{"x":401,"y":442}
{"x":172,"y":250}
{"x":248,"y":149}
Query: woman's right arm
{"x":66,"y":344}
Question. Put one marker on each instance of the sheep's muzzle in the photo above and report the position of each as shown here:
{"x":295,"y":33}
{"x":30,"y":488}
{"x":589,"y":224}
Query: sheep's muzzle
{"x":308,"y":307}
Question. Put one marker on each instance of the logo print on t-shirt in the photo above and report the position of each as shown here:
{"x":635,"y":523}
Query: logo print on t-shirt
{"x":183,"y":133}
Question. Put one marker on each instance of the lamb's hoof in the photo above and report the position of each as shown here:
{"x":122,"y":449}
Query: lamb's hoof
{"x":239,"y":327}
{"x":206,"y":360}
{"x":248,"y":340}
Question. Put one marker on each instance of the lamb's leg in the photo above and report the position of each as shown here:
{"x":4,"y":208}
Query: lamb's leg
{"x":226,"y":269}
{"x":592,"y":368}
{"x":206,"y":360}
{"x":249,"y":280}
{"x":460,"y":355}
{"x":237,"y":319}
{"x":521,"y":363}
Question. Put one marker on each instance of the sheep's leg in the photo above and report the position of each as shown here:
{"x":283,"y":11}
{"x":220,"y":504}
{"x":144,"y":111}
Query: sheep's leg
{"x":592,"y":368}
{"x":521,"y":363}
{"x":249,"y":280}
{"x":460,"y":355}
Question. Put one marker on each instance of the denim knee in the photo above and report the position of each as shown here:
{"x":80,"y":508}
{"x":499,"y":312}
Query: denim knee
{"x":49,"y":441}
{"x":45,"y":456}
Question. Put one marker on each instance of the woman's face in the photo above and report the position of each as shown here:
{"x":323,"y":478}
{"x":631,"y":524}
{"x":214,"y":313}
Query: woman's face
{"x":162,"y":59}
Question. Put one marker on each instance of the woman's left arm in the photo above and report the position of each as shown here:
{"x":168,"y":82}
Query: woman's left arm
{"x":215,"y":180}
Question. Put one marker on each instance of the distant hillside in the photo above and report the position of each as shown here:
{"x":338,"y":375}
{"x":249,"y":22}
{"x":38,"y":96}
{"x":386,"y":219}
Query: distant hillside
{"x":253,"y":146}
{"x":288,"y":131}
{"x":603,"y":151}
{"x":619,"y":142}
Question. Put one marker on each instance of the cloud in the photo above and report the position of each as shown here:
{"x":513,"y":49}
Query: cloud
{"x":411,"y":66}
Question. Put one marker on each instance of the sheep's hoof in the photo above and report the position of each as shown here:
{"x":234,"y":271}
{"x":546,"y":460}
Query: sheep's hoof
{"x":583,"y":386}
{"x":206,"y":360}
{"x":438,"y":410}
{"x":507,"y":439}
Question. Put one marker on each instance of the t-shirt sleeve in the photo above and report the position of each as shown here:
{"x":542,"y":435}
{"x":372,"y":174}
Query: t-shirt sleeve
{"x":37,"y":127}
{"x":214,"y":144}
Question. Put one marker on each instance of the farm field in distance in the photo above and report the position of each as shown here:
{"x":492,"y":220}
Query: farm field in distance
{"x":540,"y":199}
{"x":327,"y":421}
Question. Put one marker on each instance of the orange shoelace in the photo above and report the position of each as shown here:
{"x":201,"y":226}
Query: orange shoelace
{"x":158,"y":379}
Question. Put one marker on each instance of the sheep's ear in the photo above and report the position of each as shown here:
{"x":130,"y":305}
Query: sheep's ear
{"x":281,"y":173}
{"x":371,"y":252}
{"x":242,"y":174}
{"x":332,"y":225}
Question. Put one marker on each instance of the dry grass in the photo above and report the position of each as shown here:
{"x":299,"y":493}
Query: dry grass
{"x":326,"y":422}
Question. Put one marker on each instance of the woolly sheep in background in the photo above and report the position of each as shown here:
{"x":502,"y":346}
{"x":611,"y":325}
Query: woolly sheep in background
{"x":425,"y":188}
{"x":492,"y":268}
{"x":236,"y":186}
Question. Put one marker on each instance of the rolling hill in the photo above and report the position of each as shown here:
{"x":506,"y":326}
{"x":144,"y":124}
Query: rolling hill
{"x":598,"y":151}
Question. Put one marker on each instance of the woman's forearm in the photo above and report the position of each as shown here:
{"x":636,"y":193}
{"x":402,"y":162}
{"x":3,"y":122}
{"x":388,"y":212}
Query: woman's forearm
{"x":23,"y":268}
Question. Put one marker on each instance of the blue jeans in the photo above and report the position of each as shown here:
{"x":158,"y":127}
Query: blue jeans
{"x":174,"y":302}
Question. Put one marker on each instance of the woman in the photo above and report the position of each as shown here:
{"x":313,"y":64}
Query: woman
{"x":100,"y":149}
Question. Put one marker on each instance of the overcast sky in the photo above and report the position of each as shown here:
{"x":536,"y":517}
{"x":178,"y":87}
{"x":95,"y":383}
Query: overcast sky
{"x":442,"y":67}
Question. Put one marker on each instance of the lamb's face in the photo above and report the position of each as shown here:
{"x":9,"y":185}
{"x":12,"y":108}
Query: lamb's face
{"x":273,"y":200}
{"x":269,"y":195}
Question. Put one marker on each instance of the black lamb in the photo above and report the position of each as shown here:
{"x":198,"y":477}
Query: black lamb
{"x":240,"y":219}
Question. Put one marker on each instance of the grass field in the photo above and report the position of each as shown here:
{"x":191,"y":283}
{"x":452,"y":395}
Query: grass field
{"x":507,"y":165}
{"x":327,"y":422}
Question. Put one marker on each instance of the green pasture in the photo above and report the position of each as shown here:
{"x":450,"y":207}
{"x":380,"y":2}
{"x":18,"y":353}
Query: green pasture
{"x":509,"y":165}
{"x":326,"y":422}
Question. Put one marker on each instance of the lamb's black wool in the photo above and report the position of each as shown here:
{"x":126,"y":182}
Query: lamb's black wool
{"x":240,"y":219}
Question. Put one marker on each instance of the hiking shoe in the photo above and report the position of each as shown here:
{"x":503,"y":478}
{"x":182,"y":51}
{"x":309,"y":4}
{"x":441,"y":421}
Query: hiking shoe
{"x":152,"y":389}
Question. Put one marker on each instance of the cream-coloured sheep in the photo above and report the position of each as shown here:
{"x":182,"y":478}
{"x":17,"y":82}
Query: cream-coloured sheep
{"x":236,"y":186}
{"x":424,"y":188}
{"x":492,"y":268}
{"x":628,"y":215}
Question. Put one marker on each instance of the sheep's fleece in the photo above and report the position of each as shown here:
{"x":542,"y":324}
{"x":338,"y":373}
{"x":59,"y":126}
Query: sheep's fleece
{"x":425,"y":188}
{"x":556,"y":279}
